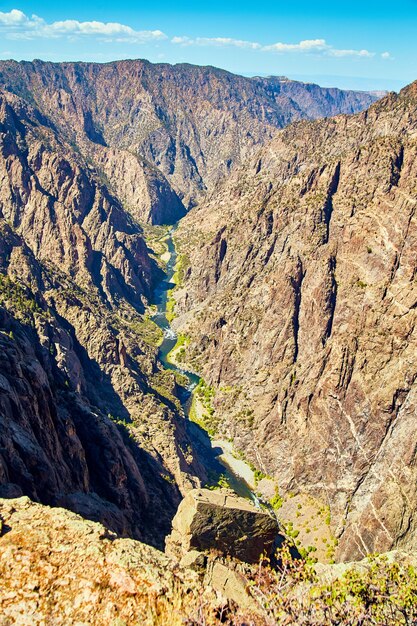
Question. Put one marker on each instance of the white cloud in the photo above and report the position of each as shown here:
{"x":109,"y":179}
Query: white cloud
{"x":182,"y":40}
{"x":13,"y":18}
{"x":334,"y":52}
{"x":17,"y":25}
{"x":306,"y":46}
{"x":216,"y":41}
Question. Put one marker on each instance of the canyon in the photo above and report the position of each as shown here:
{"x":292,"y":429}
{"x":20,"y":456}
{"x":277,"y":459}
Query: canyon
{"x":90,"y":155}
{"x":292,"y":299}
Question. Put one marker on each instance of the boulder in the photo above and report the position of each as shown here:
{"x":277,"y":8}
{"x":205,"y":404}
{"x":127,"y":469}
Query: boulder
{"x":231,"y":585}
{"x":194,"y":560}
{"x":222,"y":522}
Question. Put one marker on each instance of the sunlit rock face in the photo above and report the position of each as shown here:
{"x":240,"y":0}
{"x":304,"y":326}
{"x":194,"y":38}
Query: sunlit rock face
{"x":301,"y":305}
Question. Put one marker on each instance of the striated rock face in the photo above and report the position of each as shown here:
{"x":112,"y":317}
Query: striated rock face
{"x":84,"y":422}
{"x":220,"y":521}
{"x":301,"y":305}
{"x":169,"y":131}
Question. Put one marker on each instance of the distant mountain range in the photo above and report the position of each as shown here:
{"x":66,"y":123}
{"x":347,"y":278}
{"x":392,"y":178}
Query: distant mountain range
{"x":172,"y":130}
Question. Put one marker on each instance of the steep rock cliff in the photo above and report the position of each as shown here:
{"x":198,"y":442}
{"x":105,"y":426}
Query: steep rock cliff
{"x":300,"y":300}
{"x":85,"y":420}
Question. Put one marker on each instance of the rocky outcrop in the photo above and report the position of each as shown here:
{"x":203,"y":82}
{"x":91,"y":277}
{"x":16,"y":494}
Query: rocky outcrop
{"x":56,"y":567}
{"x":300,"y":304}
{"x":220,"y":522}
{"x":156,"y":126}
{"x":232,"y":585}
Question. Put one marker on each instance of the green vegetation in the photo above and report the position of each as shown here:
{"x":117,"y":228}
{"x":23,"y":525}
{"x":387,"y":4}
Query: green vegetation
{"x":204,"y":395}
{"x":183,"y":262}
{"x":163,"y":384}
{"x":331,"y":549}
{"x":181,"y":267}
{"x":217,"y":482}
{"x":155,"y":237}
{"x":361,"y":284}
{"x":178,"y":351}
{"x":20,"y":300}
{"x":290,"y":531}
{"x":379,"y":593}
{"x":170,"y":306}
{"x":258,"y":475}
{"x":246,"y":415}
{"x":147,"y":330}
{"x":123,"y":427}
{"x":180,"y":379}
{"x":306,"y":552}
{"x":276,"y":501}
{"x":168,"y":478}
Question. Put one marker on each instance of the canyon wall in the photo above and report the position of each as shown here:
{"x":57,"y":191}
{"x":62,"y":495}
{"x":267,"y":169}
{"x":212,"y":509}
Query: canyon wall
{"x":88,"y":418}
{"x":300,"y":301}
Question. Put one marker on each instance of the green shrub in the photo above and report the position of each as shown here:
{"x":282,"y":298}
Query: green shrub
{"x":380,"y":594}
{"x":276,"y":501}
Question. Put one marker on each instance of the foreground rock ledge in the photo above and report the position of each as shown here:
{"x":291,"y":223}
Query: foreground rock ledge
{"x":57,"y":568}
{"x":223,"y":522}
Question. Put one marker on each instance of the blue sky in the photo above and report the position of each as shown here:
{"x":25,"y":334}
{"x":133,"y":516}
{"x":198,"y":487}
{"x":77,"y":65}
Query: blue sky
{"x":364,"y":45}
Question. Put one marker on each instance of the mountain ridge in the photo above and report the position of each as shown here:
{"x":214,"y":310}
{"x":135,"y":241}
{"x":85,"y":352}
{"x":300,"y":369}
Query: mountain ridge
{"x":193,"y":123}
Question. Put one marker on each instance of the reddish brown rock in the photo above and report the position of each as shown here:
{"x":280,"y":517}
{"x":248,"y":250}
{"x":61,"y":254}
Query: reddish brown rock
{"x":57,"y":567}
{"x":301,"y":304}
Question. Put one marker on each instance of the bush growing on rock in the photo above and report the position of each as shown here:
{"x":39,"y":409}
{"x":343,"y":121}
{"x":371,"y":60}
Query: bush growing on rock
{"x":378,"y":592}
